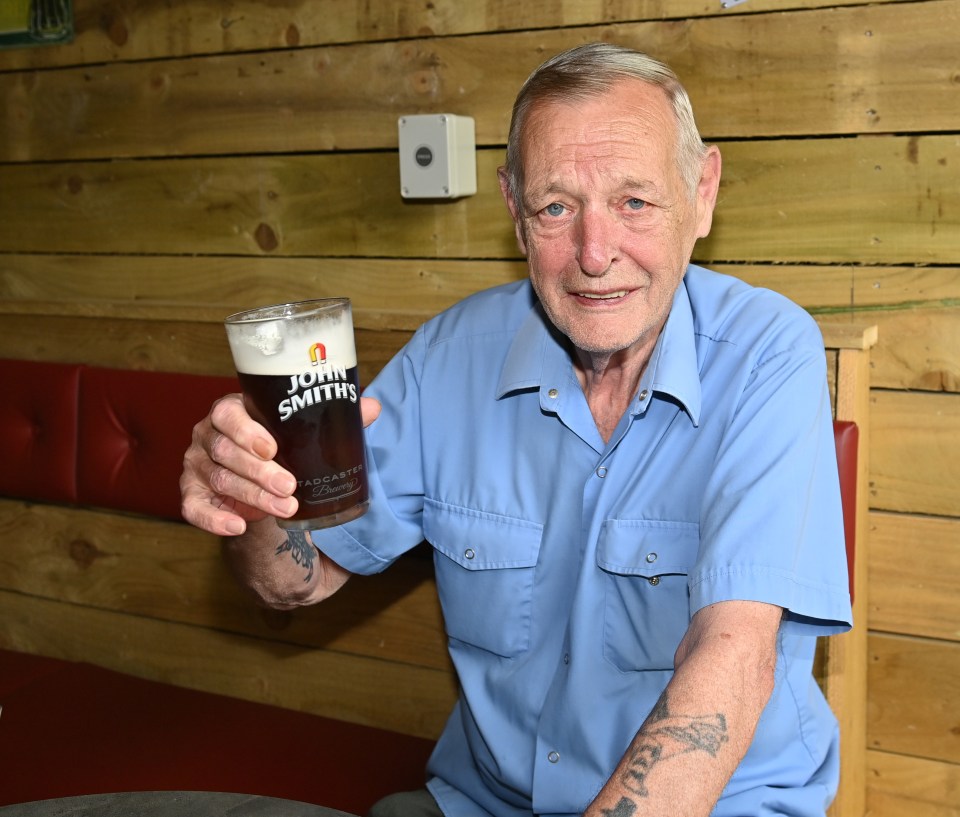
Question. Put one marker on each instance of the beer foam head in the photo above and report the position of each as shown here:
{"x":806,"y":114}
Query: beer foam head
{"x":293,"y":338}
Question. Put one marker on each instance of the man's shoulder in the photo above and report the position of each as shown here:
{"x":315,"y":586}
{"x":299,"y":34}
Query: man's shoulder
{"x":729,"y":310}
{"x":498,"y":310}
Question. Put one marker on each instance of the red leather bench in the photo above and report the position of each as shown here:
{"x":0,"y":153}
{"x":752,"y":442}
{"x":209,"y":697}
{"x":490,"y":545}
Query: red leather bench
{"x":109,"y":438}
{"x":71,"y":728}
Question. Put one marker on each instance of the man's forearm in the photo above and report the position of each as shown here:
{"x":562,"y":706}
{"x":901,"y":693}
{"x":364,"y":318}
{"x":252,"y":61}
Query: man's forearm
{"x":695,"y":737}
{"x":282,"y":568}
{"x":673,"y":767}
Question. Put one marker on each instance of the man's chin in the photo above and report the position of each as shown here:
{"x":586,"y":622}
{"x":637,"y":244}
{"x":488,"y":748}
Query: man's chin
{"x":597,"y":341}
{"x":599,"y":346}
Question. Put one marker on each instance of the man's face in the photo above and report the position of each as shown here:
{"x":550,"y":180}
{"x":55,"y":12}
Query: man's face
{"x":607,"y":223}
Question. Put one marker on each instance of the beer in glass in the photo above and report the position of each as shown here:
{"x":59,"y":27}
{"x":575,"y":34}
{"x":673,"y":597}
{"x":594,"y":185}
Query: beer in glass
{"x":297,"y":365}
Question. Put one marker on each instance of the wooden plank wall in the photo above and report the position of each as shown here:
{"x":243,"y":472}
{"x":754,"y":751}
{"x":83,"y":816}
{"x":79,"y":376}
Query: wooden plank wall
{"x":182,"y":160}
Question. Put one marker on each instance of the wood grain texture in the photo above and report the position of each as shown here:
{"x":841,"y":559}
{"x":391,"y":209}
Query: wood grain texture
{"x":316,"y":205}
{"x":387,"y":294}
{"x":917,"y":310}
{"x":771,"y":208}
{"x":163,"y":346}
{"x":324,"y":682}
{"x":111,"y":30}
{"x":882,"y":200}
{"x":914,"y":575}
{"x":915,"y":455}
{"x":870,"y":69}
{"x":914,"y":689}
{"x":172,"y":572}
{"x":902,"y":786}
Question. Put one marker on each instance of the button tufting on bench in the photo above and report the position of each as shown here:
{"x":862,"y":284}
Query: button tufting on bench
{"x":110,"y":438}
{"x":38,"y":430}
{"x":135,"y":428}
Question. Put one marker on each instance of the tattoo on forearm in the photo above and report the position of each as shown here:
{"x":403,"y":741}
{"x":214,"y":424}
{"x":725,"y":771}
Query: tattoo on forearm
{"x":625,"y":808}
{"x":666,"y":735}
{"x":301,"y":549}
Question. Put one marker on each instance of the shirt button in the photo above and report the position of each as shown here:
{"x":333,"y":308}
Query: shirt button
{"x":553,"y":757}
{"x":643,"y":394}
{"x":602,"y":471}
{"x":651,"y":557}
{"x":469,"y":553}
{"x":566,"y":658}
{"x":553,"y":393}
{"x":655,"y":580}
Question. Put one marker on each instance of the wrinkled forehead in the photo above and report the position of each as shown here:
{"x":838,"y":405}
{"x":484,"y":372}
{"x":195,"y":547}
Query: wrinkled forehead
{"x":629,"y":131}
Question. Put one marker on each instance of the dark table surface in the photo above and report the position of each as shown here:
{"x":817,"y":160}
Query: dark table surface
{"x":168,"y":804}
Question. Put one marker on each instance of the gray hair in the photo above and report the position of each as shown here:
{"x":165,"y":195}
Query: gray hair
{"x":588,"y":71}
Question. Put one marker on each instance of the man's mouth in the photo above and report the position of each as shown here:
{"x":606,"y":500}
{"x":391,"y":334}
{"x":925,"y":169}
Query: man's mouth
{"x":603,"y":296}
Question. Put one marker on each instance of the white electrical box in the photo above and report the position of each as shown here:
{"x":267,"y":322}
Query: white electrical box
{"x":438,"y":157}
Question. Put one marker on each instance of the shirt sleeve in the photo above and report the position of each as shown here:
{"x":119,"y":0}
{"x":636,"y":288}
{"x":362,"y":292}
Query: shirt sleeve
{"x":392,"y":524}
{"x":771,"y":521}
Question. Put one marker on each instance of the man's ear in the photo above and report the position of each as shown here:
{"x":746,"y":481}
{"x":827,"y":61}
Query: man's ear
{"x":513,"y":207}
{"x":707,"y":190}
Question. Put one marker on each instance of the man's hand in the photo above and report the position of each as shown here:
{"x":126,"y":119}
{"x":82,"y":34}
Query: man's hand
{"x":229,"y":476}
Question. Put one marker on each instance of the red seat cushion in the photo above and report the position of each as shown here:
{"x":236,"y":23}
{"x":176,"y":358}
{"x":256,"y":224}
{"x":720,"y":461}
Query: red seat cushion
{"x":38,"y":430}
{"x":135,"y":429}
{"x":83,"y":729}
{"x":19,"y":670}
{"x":846,"y":436}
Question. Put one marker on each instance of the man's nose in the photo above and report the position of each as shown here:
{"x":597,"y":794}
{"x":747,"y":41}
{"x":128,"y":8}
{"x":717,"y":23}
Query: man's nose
{"x":598,"y":245}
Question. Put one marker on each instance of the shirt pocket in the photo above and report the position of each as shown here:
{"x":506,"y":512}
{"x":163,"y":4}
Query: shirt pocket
{"x":485,"y":570}
{"x":645,"y":566}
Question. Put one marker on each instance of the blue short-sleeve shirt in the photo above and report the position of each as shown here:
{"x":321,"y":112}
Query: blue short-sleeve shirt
{"x":568,"y":569}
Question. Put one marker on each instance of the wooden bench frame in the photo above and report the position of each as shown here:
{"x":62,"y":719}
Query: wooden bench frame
{"x":842,"y":659}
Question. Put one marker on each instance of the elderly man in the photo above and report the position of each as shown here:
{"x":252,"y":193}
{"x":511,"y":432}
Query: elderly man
{"x":625,"y":469}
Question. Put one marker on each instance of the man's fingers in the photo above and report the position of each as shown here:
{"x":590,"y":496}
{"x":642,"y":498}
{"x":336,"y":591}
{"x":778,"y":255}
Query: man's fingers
{"x":229,"y":477}
{"x":229,"y":416}
{"x":217,"y":500}
{"x":275,"y":499}
{"x":228,"y":474}
{"x":245,"y":449}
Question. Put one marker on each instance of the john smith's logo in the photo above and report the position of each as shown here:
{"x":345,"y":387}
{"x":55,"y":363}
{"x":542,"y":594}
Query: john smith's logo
{"x":318,"y":354}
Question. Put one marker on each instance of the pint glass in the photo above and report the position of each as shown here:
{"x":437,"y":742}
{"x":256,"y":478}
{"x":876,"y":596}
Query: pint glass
{"x":297,"y":365}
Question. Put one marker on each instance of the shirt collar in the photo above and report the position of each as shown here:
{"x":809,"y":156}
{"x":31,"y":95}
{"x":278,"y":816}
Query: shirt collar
{"x":673,"y":368}
{"x":523,"y":365}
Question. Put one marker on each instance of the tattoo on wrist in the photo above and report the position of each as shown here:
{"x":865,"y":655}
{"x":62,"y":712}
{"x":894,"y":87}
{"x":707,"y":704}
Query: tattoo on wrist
{"x":301,"y":549}
{"x":666,"y":735}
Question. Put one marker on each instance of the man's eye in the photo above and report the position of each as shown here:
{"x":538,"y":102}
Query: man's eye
{"x":553,"y":209}
{"x":636,"y":204}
